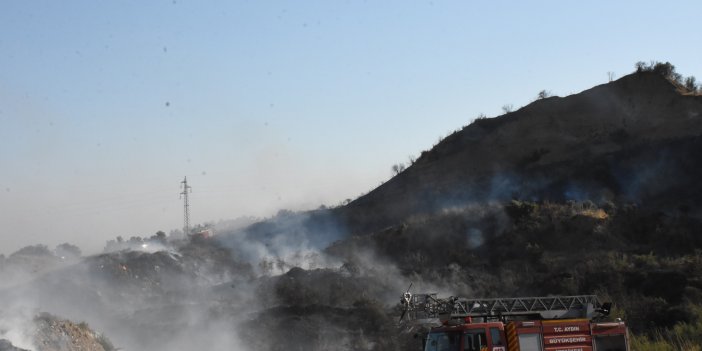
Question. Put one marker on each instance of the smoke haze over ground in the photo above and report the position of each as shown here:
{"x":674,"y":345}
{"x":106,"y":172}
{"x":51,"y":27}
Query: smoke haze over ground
{"x":195,"y":294}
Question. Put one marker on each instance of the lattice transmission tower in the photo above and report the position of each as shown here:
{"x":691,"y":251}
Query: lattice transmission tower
{"x":186,"y":205}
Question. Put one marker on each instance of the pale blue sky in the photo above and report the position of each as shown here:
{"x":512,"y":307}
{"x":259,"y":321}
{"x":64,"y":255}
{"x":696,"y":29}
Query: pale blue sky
{"x":106,"y":105}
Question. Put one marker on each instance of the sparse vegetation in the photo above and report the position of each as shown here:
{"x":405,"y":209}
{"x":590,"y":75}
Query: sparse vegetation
{"x":691,"y":84}
{"x":33,"y":250}
{"x":67,"y":250}
{"x":667,"y":70}
{"x":543,"y":94}
{"x":654,"y":285}
{"x":398,"y":168}
{"x":665,"y":341}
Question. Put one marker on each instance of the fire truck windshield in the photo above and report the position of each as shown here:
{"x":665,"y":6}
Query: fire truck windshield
{"x":443,"y":341}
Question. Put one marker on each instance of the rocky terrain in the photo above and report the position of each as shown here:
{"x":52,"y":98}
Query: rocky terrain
{"x":50,"y":333}
{"x":595,"y":192}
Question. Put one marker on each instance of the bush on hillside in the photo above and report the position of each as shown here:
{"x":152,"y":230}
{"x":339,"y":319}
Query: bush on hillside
{"x":691,"y":84}
{"x":667,"y":70}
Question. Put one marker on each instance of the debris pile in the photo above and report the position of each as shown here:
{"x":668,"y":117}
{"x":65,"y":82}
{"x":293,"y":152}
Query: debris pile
{"x":46,"y":332}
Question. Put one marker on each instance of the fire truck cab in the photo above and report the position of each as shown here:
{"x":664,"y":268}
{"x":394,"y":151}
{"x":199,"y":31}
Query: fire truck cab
{"x":467,"y":337}
{"x":561,"y":323}
{"x":544,"y":335}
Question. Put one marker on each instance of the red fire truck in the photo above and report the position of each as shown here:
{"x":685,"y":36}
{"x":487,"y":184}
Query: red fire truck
{"x":555,"y":323}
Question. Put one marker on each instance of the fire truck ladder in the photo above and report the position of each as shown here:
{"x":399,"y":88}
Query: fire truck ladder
{"x":428,"y":306}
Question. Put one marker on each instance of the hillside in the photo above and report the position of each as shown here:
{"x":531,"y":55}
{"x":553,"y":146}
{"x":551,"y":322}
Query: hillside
{"x":596,"y":192}
{"x":613,"y":142}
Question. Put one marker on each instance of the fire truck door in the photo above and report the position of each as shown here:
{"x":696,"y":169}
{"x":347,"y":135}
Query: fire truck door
{"x":530,"y":342}
{"x":474,"y":340}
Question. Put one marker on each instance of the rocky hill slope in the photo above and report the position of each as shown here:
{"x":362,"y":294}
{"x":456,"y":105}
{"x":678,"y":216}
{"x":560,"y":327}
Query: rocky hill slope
{"x":621,"y":141}
{"x":596,"y":192}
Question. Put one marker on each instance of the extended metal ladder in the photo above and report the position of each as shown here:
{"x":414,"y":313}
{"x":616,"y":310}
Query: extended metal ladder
{"x":428,"y":306}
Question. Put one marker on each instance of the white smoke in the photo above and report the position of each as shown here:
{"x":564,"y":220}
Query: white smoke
{"x":17,"y":326}
{"x":285,"y":241}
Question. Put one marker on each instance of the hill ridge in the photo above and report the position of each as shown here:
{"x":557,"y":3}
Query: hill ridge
{"x":639,"y":108}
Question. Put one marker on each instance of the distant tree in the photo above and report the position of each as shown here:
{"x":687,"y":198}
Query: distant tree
{"x":481,"y":116}
{"x":439,"y":140}
{"x":691,"y":84}
{"x":508,"y":108}
{"x":160,"y":236}
{"x":398,"y":168}
{"x":542,"y":95}
{"x":176,"y":234}
{"x":67,"y":250}
{"x":665,"y":69}
{"x":344,"y":203}
{"x":136,"y":240}
{"x":33,"y":250}
{"x":610,"y":76}
{"x":677,"y":77}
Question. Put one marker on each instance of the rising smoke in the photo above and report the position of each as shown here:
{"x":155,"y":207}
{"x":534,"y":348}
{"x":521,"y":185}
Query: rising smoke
{"x":222,"y":293}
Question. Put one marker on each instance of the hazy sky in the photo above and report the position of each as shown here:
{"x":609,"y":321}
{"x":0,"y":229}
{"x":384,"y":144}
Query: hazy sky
{"x":106,"y":105}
